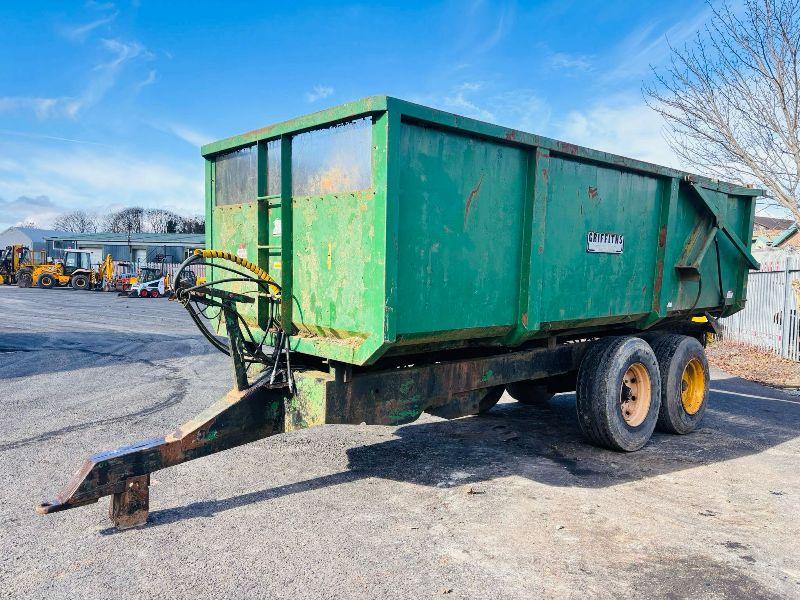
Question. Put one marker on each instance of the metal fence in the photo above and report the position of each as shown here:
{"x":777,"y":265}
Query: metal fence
{"x":124,"y":267}
{"x":769,"y":319}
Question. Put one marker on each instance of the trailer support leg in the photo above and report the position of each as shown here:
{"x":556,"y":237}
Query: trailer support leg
{"x":237,"y":418}
{"x":130,"y":507}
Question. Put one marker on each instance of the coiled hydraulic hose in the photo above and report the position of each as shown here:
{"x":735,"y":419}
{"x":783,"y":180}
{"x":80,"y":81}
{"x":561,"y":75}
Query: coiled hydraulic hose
{"x":253,"y":268}
{"x":198,"y":298}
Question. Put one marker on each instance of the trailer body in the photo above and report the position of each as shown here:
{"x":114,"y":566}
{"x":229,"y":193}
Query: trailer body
{"x":412,"y":261}
{"x":398,"y":229}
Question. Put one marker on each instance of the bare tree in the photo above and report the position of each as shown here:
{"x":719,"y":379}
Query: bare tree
{"x":158,"y":220}
{"x":127,"y":220}
{"x":76,"y":221}
{"x":196,"y":224}
{"x":731,"y":98}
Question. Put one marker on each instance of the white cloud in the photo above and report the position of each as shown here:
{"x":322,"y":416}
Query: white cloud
{"x":93,"y":179}
{"x":621,"y":124}
{"x":103,"y":77}
{"x":562,"y":61}
{"x":79,"y":33}
{"x":187,"y":134}
{"x":319,"y":92}
{"x":624,"y":126}
{"x":650,"y":45}
{"x":481,"y":26}
{"x":43,"y":108}
{"x":520,"y":109}
{"x":459,"y":102}
{"x":39,"y":210}
{"x":149,"y":80}
{"x":502,"y":26}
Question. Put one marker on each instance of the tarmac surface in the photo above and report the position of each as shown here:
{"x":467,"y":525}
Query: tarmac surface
{"x":511,"y":505}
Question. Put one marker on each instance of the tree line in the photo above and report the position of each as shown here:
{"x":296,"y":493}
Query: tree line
{"x":130,"y":220}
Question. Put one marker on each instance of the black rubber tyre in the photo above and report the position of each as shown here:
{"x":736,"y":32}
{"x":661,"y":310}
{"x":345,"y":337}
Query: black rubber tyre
{"x":603,"y":391}
{"x":24,"y":279}
{"x":155,"y":294}
{"x":684,"y":382}
{"x":46,"y":281}
{"x":491,"y":398}
{"x":529,"y":392}
{"x":80,"y":282}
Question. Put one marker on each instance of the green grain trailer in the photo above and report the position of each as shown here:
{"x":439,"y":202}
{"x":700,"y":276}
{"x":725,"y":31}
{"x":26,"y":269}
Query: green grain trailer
{"x":381,"y":259}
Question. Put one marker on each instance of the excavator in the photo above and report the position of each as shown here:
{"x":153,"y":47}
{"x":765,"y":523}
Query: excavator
{"x":75,"y":271}
{"x":16,"y":261}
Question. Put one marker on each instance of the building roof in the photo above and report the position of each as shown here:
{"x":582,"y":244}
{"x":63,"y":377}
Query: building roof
{"x":152,"y":239}
{"x":784,"y":235}
{"x":35,"y":233}
{"x":773,"y":223}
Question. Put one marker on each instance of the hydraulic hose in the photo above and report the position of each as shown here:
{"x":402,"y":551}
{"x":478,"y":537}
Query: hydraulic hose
{"x":253,"y":268}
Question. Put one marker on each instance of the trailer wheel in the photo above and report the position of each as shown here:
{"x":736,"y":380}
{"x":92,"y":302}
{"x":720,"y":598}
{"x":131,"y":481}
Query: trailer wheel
{"x":80,"y":282}
{"x":684,"y":382}
{"x":530,"y":392}
{"x":618,"y":393}
{"x":46,"y":281}
{"x":491,"y":398}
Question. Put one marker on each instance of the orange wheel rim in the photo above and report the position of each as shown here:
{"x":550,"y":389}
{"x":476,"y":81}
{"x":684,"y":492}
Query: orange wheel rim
{"x":635,"y":395}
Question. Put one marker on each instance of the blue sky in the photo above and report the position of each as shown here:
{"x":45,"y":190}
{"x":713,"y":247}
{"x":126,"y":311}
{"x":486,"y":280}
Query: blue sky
{"x":105,"y":104}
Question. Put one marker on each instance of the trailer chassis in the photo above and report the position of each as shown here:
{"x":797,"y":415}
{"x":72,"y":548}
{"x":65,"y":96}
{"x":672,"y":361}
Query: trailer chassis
{"x":255,"y":410}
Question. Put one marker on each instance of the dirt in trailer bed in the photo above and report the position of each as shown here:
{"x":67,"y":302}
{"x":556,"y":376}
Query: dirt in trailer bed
{"x":511,"y":505}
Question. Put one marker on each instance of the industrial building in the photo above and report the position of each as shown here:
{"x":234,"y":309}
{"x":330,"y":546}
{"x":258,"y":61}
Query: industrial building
{"x":31,"y":237}
{"x":134,"y":247}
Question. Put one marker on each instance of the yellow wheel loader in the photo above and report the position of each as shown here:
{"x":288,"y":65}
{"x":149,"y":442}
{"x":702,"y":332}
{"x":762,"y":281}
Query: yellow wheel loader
{"x":16,"y":262}
{"x":74,"y":271}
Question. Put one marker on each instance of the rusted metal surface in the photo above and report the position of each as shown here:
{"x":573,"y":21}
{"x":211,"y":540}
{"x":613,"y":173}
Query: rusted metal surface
{"x":237,"y":418}
{"x":470,"y":198}
{"x":395,"y":396}
{"x":130,"y":507}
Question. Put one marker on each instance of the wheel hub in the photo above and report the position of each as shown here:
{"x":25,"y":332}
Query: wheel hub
{"x":635,"y":395}
{"x":693,"y":384}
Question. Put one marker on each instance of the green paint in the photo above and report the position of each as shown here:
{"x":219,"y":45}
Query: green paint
{"x":404,"y":416}
{"x":405,"y":387}
{"x":487,"y":376}
{"x":473,"y":233}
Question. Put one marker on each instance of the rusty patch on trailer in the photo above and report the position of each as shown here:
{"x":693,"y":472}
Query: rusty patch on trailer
{"x":659,"y":280}
{"x":568,"y":148}
{"x":662,"y":236}
{"x":472,"y":195}
{"x":524,"y":319}
{"x":592,"y":192}
{"x":511,"y":134}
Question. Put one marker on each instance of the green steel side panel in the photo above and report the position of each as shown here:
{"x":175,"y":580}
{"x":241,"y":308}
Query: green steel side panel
{"x":460,"y":232}
{"x":235,"y":230}
{"x":693,"y":220}
{"x":582,"y":198}
{"x":476,"y":233}
{"x":337,"y":261}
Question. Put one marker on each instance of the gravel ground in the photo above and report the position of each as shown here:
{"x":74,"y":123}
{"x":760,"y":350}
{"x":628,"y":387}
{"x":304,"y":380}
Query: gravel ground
{"x":511,"y":505}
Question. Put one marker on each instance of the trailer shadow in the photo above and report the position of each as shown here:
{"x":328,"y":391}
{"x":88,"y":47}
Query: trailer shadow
{"x":544,"y":445}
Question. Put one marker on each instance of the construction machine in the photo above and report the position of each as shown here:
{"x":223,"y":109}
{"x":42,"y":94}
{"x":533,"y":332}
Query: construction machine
{"x":151,"y":283}
{"x":16,"y":261}
{"x":75,"y":271}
